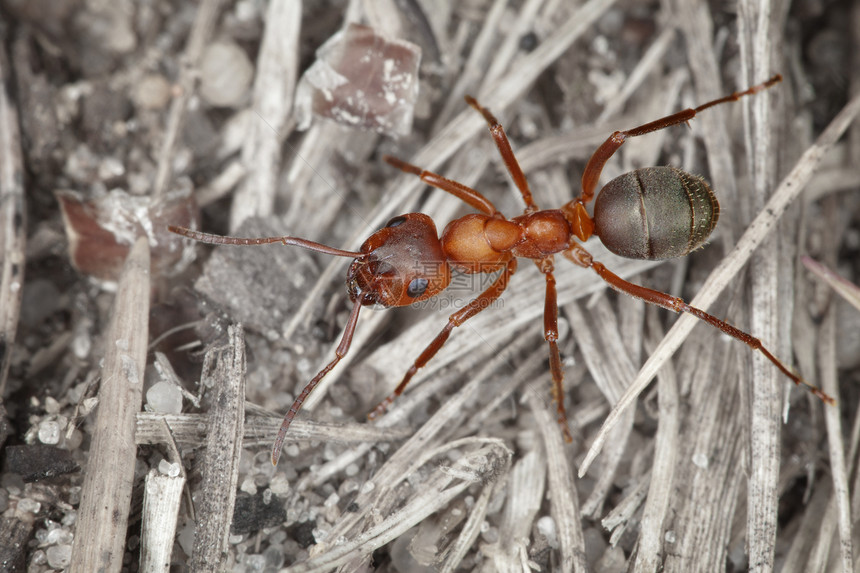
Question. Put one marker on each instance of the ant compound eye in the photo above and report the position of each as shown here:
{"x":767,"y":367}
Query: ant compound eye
{"x":417,"y":287}
{"x":396,"y":221}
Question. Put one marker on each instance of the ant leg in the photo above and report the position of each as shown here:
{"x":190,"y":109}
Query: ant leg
{"x":581,"y":257}
{"x":504,"y":146}
{"x":591,"y":175}
{"x":550,"y":334}
{"x":340,"y":352}
{"x":484,"y":300}
{"x":455,"y":188}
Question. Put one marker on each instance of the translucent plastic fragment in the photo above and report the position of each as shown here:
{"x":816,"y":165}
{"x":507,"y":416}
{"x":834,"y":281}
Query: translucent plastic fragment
{"x":102,"y":228}
{"x":362,"y":79}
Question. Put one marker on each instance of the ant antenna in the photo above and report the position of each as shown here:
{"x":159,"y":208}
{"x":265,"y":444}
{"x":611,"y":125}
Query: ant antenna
{"x":211,"y":239}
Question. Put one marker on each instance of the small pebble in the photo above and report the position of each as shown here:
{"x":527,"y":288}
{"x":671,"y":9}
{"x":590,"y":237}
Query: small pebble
{"x":546,"y":526}
{"x":59,"y":536}
{"x":152,"y":92}
{"x":52,"y":406}
{"x":225,"y":74}
{"x":49,"y":432}
{"x":254,"y":563}
{"x":169,"y":469}
{"x":164,"y":398}
{"x":38,"y":557}
{"x":29,"y":505}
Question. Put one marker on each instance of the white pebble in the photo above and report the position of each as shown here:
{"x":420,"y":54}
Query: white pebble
{"x":225,"y":74}
{"x":152,"y":92}
{"x":59,"y":556}
{"x":165,"y":398}
{"x":546,"y":526}
{"x":59,"y":535}
{"x":29,"y":505}
{"x":52,"y":406}
{"x":248,"y":486}
{"x":49,"y":432}
{"x":168,"y":469}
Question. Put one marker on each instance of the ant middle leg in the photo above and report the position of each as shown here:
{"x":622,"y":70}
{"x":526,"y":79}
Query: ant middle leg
{"x":579,"y":256}
{"x":550,"y":333}
{"x":593,"y":169}
{"x":481,"y":302}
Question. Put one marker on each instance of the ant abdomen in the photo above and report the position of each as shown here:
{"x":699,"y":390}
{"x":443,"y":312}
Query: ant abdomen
{"x":655,"y":213}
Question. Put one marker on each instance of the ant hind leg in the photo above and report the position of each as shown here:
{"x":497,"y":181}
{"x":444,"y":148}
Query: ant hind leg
{"x":594,"y":167}
{"x":579,"y":256}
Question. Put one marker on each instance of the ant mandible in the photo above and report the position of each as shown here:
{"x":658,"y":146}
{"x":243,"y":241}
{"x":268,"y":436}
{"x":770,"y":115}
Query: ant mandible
{"x":650,"y":213}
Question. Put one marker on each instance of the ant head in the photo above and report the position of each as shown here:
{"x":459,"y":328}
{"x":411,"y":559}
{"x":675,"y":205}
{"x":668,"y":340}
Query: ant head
{"x":403,"y":263}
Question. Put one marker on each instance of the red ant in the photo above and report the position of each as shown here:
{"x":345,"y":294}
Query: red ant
{"x":650,"y":213}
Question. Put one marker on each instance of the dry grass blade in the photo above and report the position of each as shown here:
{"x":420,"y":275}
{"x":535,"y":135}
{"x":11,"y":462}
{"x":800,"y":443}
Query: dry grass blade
{"x":471,"y":529}
{"x":526,"y":489}
{"x":444,"y":484}
{"x":190,"y":429}
{"x":847,"y":290}
{"x":785,"y":193}
{"x":654,"y":515}
{"x":757,"y":24}
{"x":562,"y":488}
{"x":836,"y":442}
{"x":13,"y":228}
{"x":225,"y":372}
{"x":106,"y":494}
{"x":161,"y":502}
{"x":204,"y":24}
{"x":277,"y":67}
{"x":697,"y":26}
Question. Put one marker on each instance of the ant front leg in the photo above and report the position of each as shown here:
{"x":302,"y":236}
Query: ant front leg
{"x":340,"y":352}
{"x":593,"y":169}
{"x":464,"y":193}
{"x":483,"y":301}
{"x":583,"y":258}
{"x":550,"y":333}
{"x":504,"y":147}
